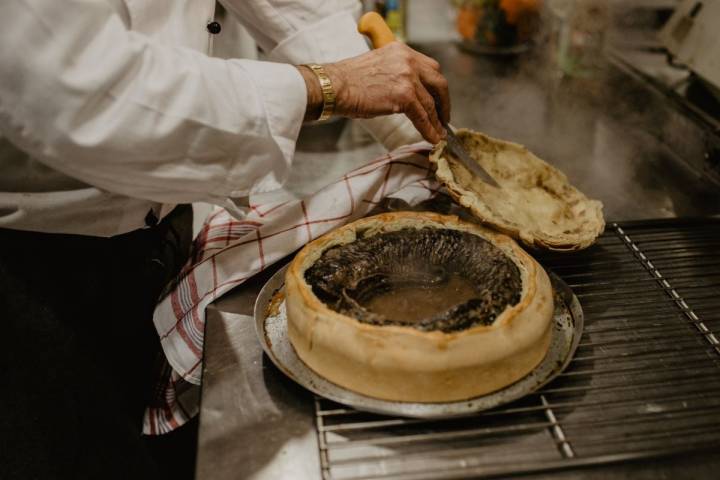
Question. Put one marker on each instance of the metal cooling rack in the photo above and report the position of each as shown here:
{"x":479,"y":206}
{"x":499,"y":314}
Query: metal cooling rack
{"x":645,"y":381}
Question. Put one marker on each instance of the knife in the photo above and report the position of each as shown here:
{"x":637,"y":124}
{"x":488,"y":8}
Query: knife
{"x":373,"y":25}
{"x":457,"y":149}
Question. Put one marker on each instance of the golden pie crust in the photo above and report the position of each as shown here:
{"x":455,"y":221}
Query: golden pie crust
{"x":535,"y":204}
{"x":401,"y":363}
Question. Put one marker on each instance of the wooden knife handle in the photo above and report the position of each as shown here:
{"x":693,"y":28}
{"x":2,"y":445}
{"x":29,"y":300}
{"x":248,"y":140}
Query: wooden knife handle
{"x":374,"y":26}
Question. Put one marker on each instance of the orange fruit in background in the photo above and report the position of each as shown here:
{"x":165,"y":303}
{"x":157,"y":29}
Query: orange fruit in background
{"x":467,"y":19}
{"x":515,"y":9}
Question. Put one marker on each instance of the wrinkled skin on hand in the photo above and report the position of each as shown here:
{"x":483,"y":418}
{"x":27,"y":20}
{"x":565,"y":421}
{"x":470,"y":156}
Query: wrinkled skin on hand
{"x":391,"y":79}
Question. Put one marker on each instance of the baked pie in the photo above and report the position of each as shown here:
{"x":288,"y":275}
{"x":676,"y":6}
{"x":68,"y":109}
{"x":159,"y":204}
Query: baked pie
{"x":418,"y":307}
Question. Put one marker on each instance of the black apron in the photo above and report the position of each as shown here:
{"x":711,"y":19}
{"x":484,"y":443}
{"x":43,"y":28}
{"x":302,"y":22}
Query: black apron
{"x":78,"y":350}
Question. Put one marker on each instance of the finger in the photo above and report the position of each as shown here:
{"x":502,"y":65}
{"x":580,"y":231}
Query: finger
{"x":428,"y":61}
{"x":423,"y":59}
{"x":419,"y":117}
{"x":437,"y":85}
{"x":428,"y":103}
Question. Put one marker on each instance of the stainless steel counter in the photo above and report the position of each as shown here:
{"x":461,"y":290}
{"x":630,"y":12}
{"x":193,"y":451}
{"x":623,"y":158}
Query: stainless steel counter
{"x":606,"y":134}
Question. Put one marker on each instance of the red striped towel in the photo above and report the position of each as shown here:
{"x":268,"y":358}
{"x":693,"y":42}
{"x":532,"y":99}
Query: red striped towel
{"x":229,"y":251}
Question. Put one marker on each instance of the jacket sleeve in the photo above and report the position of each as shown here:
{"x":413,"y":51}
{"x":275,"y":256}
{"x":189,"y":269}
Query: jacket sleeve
{"x":123,"y":113}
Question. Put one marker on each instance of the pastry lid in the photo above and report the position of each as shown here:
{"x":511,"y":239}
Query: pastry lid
{"x":536,"y":203}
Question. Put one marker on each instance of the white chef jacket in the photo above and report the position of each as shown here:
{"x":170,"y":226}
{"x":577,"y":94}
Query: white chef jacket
{"x":110,"y":109}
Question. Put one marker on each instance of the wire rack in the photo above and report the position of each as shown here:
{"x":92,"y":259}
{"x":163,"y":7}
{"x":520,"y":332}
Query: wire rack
{"x":645,"y":380}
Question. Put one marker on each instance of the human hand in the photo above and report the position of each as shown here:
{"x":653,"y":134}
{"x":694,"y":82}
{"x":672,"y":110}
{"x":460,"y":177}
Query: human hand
{"x":391,"y":79}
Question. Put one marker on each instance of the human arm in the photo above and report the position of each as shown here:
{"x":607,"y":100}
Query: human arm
{"x":380,"y":83}
{"x":117,"y":110}
{"x":122,"y":112}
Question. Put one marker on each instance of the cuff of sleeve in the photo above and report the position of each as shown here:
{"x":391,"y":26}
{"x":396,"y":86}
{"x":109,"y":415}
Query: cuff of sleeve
{"x":283,"y":99}
{"x":329,"y":40}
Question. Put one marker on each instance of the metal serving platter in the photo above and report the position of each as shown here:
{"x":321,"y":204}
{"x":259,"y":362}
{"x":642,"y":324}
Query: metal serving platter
{"x":272,"y":332}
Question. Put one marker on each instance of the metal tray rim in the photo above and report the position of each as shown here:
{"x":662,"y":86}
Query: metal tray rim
{"x":283,"y":355}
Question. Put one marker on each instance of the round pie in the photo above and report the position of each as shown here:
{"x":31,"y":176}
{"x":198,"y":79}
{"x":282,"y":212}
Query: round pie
{"x":535,"y":204}
{"x":418,"y":307}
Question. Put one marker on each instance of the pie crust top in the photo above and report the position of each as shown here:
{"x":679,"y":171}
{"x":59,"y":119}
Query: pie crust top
{"x":535,"y":204}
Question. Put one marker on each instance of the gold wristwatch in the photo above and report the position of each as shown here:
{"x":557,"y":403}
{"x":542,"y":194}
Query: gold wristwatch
{"x":327,"y":91}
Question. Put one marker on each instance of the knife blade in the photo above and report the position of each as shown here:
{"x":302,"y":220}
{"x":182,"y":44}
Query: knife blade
{"x":456,"y":148}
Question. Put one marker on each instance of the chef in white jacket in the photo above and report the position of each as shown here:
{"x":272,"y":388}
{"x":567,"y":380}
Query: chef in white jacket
{"x":113,"y":113}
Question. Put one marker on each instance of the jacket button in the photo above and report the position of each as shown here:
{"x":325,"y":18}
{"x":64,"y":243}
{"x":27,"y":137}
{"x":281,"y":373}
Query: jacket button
{"x":214,"y":28}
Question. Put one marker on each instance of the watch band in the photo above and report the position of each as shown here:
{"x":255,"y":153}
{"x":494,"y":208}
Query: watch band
{"x":327,"y":91}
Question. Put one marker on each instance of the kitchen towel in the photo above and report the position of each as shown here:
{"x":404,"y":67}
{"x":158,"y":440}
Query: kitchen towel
{"x":228,"y":251}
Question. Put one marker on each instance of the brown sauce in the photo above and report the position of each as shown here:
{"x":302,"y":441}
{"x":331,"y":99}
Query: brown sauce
{"x":411,"y":304}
